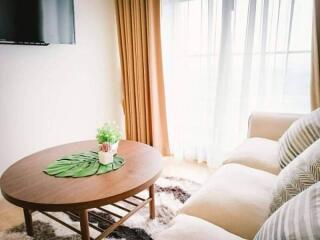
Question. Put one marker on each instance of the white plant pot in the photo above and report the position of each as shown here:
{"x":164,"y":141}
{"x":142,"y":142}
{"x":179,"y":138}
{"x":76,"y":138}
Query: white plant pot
{"x":105,"y":157}
{"x":114,"y":147}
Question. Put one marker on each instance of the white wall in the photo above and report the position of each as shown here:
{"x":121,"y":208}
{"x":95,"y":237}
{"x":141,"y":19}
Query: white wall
{"x":60,"y":93}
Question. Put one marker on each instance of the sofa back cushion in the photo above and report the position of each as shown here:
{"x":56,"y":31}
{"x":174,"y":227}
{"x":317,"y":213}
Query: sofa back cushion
{"x":300,"y":174}
{"x":258,"y":153}
{"x":297,"y":219}
{"x":300,"y":135}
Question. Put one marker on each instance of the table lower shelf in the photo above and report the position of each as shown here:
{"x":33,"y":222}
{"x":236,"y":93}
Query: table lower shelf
{"x":84,"y":215}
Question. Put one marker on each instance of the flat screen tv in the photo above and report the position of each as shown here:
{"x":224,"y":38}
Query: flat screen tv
{"x":38,"y":22}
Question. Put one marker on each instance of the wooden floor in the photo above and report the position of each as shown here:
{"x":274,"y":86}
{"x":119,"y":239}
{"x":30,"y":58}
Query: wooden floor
{"x":11,"y":215}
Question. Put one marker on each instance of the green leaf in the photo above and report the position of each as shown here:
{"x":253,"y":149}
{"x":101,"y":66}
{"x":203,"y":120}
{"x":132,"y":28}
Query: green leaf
{"x":82,"y":165}
{"x":57,"y":170}
{"x":58,"y":164}
{"x":91,"y":169}
{"x":68,"y":173}
{"x":117,"y":162}
{"x":105,"y":168}
{"x":73,"y":171}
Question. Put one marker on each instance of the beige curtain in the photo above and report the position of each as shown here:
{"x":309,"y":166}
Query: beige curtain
{"x":315,"y":83}
{"x":143,"y":88}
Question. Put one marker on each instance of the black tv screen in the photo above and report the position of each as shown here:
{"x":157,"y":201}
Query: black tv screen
{"x":37,"y":21}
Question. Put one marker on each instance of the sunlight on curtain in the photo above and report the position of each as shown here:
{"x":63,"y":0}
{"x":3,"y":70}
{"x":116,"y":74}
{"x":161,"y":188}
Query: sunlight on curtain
{"x":224,"y":59}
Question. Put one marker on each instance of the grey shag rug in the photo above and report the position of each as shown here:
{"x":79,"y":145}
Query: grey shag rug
{"x":171,"y":193}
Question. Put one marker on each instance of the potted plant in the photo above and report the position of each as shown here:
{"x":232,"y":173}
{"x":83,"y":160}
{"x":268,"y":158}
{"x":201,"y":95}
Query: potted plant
{"x":108,"y":138}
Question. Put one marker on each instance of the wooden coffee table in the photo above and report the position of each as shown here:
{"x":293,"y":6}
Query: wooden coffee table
{"x":25,"y":185}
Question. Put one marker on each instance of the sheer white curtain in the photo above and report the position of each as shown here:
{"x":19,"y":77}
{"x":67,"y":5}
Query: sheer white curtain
{"x":224,"y":59}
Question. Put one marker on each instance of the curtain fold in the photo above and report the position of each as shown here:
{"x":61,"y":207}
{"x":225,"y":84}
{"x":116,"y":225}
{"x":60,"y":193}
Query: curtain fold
{"x":142,"y":77}
{"x":315,"y":83}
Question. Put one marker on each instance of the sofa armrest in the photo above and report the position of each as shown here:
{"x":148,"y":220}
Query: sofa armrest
{"x":270,"y":125}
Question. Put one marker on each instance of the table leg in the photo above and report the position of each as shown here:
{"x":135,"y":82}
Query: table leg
{"x":84,"y":225}
{"x":152,"y":207}
{"x":28,"y":221}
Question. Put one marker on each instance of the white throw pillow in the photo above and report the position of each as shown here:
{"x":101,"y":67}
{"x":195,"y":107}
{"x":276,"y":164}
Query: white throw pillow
{"x":300,"y":135}
{"x":297,"y":219}
{"x":236,"y":198}
{"x":259,"y":153}
{"x":300,"y":174}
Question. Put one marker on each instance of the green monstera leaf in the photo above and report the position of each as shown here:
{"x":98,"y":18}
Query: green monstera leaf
{"x":82,"y":165}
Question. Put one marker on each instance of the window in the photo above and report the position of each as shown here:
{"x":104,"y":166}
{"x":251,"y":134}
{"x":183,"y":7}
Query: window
{"x":224,"y":59}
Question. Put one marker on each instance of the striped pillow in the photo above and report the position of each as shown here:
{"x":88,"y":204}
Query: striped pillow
{"x":297,"y":219}
{"x":300,"y":174}
{"x":300,"y":135}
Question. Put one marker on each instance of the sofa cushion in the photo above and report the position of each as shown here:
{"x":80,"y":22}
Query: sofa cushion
{"x":236,"y":198}
{"x":259,"y":153}
{"x":300,"y":135}
{"x":297,"y":219}
{"x":297,"y":176}
{"x":185,"y":227}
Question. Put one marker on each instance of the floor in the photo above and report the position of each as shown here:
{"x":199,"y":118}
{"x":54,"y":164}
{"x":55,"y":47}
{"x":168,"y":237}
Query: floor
{"x":11,"y":216}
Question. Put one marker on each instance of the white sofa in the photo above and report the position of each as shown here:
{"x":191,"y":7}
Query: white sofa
{"x":234,"y":202}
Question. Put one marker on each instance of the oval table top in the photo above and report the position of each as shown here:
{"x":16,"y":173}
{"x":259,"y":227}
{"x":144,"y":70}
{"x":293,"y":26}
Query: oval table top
{"x":26,"y":185}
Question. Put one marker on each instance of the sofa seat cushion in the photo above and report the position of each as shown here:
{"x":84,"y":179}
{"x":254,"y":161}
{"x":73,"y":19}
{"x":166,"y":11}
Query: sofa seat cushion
{"x":259,"y":153}
{"x":236,"y":198}
{"x":185,"y":227}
